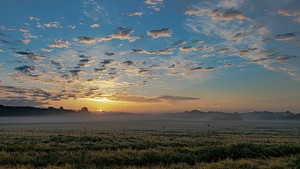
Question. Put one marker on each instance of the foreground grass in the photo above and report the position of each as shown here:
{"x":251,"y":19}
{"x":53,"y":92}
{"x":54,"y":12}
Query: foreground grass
{"x":144,"y":149}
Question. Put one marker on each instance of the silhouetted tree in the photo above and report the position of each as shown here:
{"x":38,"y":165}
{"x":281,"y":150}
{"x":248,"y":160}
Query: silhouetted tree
{"x":84,"y":109}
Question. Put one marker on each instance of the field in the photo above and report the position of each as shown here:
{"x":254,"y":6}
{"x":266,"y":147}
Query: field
{"x":151,"y":144}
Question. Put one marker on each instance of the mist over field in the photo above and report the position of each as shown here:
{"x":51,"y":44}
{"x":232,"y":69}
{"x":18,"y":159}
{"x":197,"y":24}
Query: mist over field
{"x":92,"y":84}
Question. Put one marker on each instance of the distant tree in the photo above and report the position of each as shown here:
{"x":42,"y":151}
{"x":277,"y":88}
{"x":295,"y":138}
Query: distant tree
{"x":84,"y":109}
{"x":61,"y":108}
{"x":51,"y":108}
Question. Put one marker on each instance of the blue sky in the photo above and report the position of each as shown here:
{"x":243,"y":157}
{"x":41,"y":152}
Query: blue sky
{"x":152,"y":55}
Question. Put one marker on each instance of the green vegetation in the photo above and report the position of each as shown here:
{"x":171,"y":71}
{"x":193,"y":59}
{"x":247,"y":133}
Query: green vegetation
{"x":37,"y":148}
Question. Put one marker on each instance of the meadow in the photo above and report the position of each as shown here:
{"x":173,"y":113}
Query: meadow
{"x":163,"y":145}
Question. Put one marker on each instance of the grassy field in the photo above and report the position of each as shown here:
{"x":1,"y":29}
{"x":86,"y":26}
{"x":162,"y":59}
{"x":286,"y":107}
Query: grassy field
{"x":87,"y":146}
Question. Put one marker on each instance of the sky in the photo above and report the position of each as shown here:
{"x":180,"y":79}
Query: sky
{"x":151,"y":55}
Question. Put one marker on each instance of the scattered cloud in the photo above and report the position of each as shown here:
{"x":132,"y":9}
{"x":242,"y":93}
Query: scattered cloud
{"x":194,"y":11}
{"x":93,"y":10}
{"x":106,"y":62}
{"x":223,"y":50}
{"x":124,"y":34}
{"x":166,"y":51}
{"x":26,"y":69}
{"x":154,"y":4}
{"x":75,"y":72}
{"x":134,"y":13}
{"x":25,"y":41}
{"x":104,"y":39}
{"x":95,"y":25}
{"x":164,"y":32}
{"x":285,"y":37}
{"x":128,"y":62}
{"x":143,"y":99}
{"x":86,"y":40}
{"x":227,"y":14}
{"x":59,"y":44}
{"x":32,"y":18}
{"x":179,"y":42}
{"x":109,"y":54}
{"x":190,"y":48}
{"x":177,"y":98}
{"x":285,"y":12}
{"x":29,"y":55}
{"x":71,"y":26}
{"x":202,"y":68}
{"x":46,"y":50}
{"x":49,"y":25}
{"x":21,"y":101}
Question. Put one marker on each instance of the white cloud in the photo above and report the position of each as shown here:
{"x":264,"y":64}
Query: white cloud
{"x":52,"y":25}
{"x":32,"y":18}
{"x":25,"y":41}
{"x":134,"y":13}
{"x":84,"y":39}
{"x":95,"y":25}
{"x":59,"y":44}
{"x":164,"y":32}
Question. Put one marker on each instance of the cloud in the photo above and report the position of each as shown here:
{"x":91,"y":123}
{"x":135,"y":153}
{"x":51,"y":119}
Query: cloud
{"x":32,"y":18}
{"x":281,"y":58}
{"x":26,"y":69}
{"x":285,"y":12}
{"x":109,"y":54}
{"x":167,"y":51}
{"x":223,"y":50}
{"x":297,"y":19}
{"x":46,"y":50}
{"x":29,"y":55}
{"x":93,"y":10}
{"x":143,"y":71}
{"x":128,"y":62}
{"x":190,"y":48}
{"x":227,"y":14}
{"x":164,"y":32}
{"x":57,"y":64}
{"x":86,"y":40}
{"x":124,"y":34}
{"x":194,"y":11}
{"x":71,"y":26}
{"x":278,"y":59}
{"x":51,"y":25}
{"x":177,"y":98}
{"x":230,"y":3}
{"x":179,"y":42}
{"x":36,"y":94}
{"x":285,"y":37}
{"x":5,"y":41}
{"x":143,"y":99}
{"x":21,"y":101}
{"x":202,"y":68}
{"x":106,"y":62}
{"x":95,"y":25}
{"x":84,"y":62}
{"x":154,"y":4}
{"x":100,"y":69}
{"x":59,"y":44}
{"x":75,"y":72}
{"x":134,"y":13}
{"x":25,"y":41}
{"x":104,"y":39}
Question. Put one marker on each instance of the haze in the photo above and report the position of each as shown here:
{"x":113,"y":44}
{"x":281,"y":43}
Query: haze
{"x":151,"y":56}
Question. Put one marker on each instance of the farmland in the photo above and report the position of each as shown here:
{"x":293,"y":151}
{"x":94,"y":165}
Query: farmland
{"x":151,"y":144}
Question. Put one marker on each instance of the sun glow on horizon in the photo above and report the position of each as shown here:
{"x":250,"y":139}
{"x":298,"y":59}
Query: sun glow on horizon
{"x":102,"y":100}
